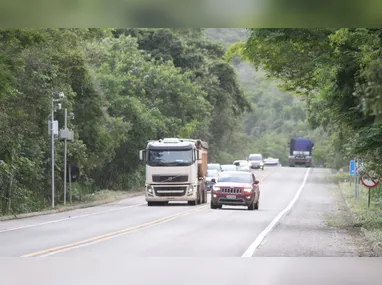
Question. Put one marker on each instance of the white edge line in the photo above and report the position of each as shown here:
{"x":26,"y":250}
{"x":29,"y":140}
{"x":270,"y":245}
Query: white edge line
{"x":71,"y":218}
{"x":257,"y":242}
{"x":110,"y":237}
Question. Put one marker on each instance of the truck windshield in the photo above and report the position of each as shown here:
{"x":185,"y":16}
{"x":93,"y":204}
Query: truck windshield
{"x":170,"y":157}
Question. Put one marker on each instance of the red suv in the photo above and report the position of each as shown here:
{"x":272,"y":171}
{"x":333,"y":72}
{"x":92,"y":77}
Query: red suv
{"x":235,"y":188}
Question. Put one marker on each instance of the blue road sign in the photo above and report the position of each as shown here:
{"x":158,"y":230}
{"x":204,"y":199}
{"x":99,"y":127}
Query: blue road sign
{"x":352,"y":167}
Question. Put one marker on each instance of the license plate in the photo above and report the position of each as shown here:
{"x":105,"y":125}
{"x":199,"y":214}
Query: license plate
{"x":231,"y":196}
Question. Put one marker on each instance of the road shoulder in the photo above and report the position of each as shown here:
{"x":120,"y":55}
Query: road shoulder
{"x":367,"y":220}
{"x":319,"y":225}
{"x":102,"y":199}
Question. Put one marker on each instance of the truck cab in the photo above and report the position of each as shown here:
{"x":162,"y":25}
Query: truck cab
{"x":175,"y":171}
{"x":300,"y":152}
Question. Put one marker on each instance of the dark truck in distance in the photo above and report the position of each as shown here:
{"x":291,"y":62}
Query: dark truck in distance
{"x":300,"y":152}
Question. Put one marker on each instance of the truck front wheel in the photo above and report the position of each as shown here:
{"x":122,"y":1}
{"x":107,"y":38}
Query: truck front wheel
{"x":201,"y":194}
{"x":204,"y":194}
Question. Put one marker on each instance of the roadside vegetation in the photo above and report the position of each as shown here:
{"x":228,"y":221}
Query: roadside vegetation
{"x":124,"y":88}
{"x":277,"y":114}
{"x":336,"y":72}
{"x":369,"y":219}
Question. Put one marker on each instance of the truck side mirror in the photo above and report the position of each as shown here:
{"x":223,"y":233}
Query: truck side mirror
{"x":142,"y":155}
{"x":257,"y":181}
{"x":213,"y":180}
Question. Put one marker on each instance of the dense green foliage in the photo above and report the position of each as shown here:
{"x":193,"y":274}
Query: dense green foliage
{"x":336,"y":73}
{"x":277,"y":115}
{"x":124,"y":87}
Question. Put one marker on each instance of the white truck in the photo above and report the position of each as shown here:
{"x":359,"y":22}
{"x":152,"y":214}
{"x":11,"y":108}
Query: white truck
{"x":176,"y":170}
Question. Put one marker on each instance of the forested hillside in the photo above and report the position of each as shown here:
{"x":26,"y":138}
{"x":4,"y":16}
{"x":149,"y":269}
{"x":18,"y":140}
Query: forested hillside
{"x":276,"y":115}
{"x":123,"y":87}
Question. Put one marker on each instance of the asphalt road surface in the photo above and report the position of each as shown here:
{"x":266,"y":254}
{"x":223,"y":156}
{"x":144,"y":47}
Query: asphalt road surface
{"x":291,"y":221}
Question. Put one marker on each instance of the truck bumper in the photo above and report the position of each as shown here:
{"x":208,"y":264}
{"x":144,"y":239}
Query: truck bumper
{"x":169,"y":199}
{"x":300,"y":163}
{"x":165,"y":193}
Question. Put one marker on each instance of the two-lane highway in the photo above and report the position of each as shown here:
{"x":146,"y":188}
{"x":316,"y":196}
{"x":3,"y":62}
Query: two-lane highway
{"x":131,"y":228}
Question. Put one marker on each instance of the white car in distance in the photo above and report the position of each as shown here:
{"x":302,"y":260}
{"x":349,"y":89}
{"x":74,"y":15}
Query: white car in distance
{"x":243,"y":165}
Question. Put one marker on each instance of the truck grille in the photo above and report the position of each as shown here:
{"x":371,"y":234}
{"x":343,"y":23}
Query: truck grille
{"x":170,"y":178}
{"x":231,"y":190}
{"x":162,"y":191}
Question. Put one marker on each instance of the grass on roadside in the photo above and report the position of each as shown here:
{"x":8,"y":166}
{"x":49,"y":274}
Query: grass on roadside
{"x":87,"y":200}
{"x":369,"y":218}
{"x":102,"y":196}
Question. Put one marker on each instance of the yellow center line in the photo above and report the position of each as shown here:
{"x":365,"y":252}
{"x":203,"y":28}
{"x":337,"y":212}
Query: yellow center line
{"x":263,"y":176}
{"x":105,"y":236}
{"x":130,"y":229}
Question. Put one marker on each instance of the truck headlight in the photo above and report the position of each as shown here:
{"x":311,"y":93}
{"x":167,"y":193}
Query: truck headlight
{"x":149,"y":189}
{"x":247,"y":189}
{"x":191,"y":189}
{"x":261,"y":163}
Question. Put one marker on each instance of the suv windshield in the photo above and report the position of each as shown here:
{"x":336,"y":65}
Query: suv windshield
{"x":170,"y":157}
{"x":235,"y":178}
{"x":255,"y":157}
{"x":229,"y":167}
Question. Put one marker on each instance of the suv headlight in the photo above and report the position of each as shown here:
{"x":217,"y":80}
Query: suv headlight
{"x":215,"y":188}
{"x":247,"y":189}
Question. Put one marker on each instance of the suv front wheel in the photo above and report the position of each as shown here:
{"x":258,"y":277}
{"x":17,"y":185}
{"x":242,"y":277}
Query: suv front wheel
{"x":213,"y":206}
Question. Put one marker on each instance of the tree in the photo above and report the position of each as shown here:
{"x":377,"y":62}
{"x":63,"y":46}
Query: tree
{"x":335,"y":70}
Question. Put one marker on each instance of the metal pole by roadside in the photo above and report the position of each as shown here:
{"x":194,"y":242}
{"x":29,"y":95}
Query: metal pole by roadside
{"x":355,"y":178}
{"x":70,"y":183}
{"x":65,"y":154}
{"x":52,"y":138}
